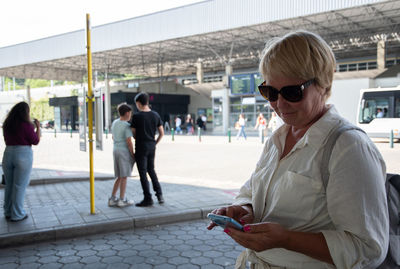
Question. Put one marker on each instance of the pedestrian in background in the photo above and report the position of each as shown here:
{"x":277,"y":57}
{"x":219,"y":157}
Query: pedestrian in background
{"x":144,"y":125}
{"x":275,"y":122}
{"x":204,"y":119}
{"x":123,"y":155}
{"x":261,"y":125}
{"x":241,"y":123}
{"x":19,"y":136}
{"x":189,"y":125}
{"x":178,"y":123}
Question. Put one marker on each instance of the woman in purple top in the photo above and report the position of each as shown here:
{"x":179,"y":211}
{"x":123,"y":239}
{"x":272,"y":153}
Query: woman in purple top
{"x":19,"y":135}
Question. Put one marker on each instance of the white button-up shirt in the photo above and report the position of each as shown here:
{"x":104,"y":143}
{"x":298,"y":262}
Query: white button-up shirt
{"x":351,"y":212}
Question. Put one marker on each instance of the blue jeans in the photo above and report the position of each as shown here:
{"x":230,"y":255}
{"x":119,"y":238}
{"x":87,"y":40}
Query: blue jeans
{"x":17,"y":167}
{"x":241,"y":133}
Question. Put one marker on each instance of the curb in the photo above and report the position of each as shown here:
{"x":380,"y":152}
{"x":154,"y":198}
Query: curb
{"x":71,"y":231}
{"x":55,"y":180}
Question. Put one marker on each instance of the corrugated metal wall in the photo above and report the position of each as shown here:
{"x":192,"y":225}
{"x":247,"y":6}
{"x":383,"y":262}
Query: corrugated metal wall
{"x":199,"y":18}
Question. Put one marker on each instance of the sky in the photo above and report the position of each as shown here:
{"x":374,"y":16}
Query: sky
{"x":26,"y":20}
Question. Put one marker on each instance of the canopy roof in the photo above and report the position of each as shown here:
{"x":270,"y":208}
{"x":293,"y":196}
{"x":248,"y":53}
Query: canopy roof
{"x":352,"y":31}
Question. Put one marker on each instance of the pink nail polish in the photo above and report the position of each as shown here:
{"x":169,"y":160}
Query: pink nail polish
{"x":246,"y":228}
{"x":241,"y":221}
{"x":226,"y":230}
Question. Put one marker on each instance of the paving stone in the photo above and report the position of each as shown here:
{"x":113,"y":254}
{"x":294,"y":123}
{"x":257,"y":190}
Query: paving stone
{"x":191,"y":253}
{"x":187,"y":266}
{"x":211,"y":266}
{"x":224,"y":261}
{"x":156,"y":260}
{"x":96,"y":265}
{"x":148,"y":253}
{"x":143,"y":266}
{"x":116,"y":242}
{"x":28,"y":259}
{"x":162,"y":247}
{"x":74,"y":265}
{"x":213,"y":254}
{"x":8,"y":265}
{"x":112,"y":259}
{"x":27,"y":252}
{"x":45,"y":253}
{"x":64,"y":253}
{"x":49,"y":259}
{"x":69,"y":259}
{"x":53,"y":265}
{"x":106,"y":253}
{"x":86,"y":253}
{"x":127,"y":253}
{"x":33,"y":265}
{"x":178,"y":260}
{"x":119,"y":265}
{"x":135,"y":260}
{"x":164,"y":266}
{"x":90,"y":259}
{"x":121,"y":247}
{"x":169,"y":253}
{"x":84,"y":246}
{"x":9,"y":259}
{"x":201,"y":260}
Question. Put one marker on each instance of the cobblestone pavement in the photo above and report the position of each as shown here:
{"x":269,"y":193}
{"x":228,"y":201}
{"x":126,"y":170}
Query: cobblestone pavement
{"x":182,"y":245}
{"x":61,"y":210}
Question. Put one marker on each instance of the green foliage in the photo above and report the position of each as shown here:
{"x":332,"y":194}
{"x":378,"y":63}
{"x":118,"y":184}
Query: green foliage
{"x":41,"y":110}
{"x":37,"y":83}
{"x":8,"y":84}
{"x":74,"y":92}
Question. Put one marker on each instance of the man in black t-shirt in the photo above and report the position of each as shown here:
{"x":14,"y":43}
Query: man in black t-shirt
{"x":144,"y":125}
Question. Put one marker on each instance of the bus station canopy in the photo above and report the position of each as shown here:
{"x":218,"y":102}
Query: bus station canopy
{"x":212,"y":33}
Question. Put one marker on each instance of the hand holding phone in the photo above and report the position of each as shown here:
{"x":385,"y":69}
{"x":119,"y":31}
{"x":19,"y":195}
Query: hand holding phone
{"x":224,"y":221}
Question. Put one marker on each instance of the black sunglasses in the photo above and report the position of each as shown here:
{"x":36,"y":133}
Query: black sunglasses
{"x":293,"y":93}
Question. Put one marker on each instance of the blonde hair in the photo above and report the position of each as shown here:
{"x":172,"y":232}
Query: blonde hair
{"x":300,"y":54}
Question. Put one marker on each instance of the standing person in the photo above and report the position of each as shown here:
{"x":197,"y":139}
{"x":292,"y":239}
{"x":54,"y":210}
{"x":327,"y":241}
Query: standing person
{"x":292,"y":217}
{"x":275,"y":122}
{"x":199,"y":122}
{"x":204,"y":119}
{"x":241,"y":123}
{"x":178,"y":123}
{"x":189,"y":125}
{"x":144,"y":125}
{"x":19,"y":136}
{"x":166,"y":123}
{"x":261,"y":125}
{"x":123,"y":155}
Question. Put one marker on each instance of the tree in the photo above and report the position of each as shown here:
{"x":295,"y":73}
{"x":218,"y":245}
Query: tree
{"x":41,"y":110}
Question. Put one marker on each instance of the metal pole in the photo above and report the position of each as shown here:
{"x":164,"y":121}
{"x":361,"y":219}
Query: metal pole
{"x":262,"y":137}
{"x":199,"y":133}
{"x":391,"y":138}
{"x":90,"y":113}
{"x":229,"y":135}
{"x":172,"y":133}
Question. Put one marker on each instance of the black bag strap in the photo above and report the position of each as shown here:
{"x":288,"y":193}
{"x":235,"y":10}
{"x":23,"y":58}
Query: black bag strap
{"x":394,"y":179}
{"x":333,"y":136}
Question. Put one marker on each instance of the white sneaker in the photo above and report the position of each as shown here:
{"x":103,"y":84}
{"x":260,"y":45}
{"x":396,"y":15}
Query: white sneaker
{"x":113,"y":201}
{"x":126,"y":202}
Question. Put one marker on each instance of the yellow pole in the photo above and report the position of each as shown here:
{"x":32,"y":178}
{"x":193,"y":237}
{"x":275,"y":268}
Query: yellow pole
{"x":90,"y":113}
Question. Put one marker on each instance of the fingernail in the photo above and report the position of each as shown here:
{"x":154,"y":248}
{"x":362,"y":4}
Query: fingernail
{"x":246,"y":228}
{"x":226,"y":230}
{"x":241,"y":221}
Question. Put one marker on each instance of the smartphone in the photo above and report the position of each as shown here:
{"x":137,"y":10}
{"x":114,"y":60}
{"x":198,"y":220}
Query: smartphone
{"x":224,"y":221}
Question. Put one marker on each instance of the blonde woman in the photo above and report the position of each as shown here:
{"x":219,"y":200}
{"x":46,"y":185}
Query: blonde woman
{"x":291,"y":220}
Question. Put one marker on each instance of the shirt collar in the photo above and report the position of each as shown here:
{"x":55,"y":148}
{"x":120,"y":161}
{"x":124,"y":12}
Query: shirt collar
{"x":315,"y":135}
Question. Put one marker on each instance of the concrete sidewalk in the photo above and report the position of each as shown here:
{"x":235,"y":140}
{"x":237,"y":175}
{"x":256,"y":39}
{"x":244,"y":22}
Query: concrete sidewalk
{"x":47,"y":176}
{"x":58,"y":211}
